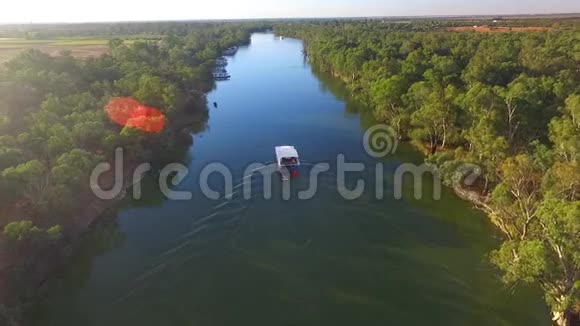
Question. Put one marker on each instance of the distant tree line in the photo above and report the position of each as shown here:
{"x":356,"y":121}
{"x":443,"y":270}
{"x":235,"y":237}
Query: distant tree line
{"x":158,"y":28}
{"x":508,"y":102}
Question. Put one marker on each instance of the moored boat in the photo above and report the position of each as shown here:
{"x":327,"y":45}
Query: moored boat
{"x":221,"y":62}
{"x":221,"y":75}
{"x":230,"y":51}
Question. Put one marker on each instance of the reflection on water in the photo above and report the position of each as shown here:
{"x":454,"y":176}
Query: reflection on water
{"x":324,"y":261}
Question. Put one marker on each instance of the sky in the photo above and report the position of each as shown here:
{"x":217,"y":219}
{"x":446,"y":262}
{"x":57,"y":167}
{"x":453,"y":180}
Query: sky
{"x":36,"y":11}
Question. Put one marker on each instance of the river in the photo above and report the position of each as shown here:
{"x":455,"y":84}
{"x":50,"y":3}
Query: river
{"x":323,"y":261}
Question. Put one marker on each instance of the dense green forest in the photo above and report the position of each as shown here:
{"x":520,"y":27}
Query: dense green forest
{"x":54,"y":128}
{"x":508,"y":102}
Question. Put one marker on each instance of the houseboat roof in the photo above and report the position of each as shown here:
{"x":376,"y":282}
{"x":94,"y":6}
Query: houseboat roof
{"x":286,"y":152}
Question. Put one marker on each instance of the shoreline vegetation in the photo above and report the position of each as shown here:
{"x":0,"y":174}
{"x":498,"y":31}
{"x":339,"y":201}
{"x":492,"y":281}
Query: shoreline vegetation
{"x":507,"y":102}
{"x":54,"y":129}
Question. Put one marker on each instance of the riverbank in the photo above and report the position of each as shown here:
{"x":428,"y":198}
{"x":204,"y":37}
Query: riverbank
{"x":24,"y":273}
{"x":28,"y":265}
{"x":429,"y":89}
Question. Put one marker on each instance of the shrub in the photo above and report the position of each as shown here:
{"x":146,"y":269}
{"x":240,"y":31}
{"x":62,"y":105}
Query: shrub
{"x":22,"y":232}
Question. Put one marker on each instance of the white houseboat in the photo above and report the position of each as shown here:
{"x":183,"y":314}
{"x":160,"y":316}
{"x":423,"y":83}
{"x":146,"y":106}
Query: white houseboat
{"x":288,"y":161}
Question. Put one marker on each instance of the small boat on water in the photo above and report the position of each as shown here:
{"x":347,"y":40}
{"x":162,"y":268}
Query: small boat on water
{"x":230,"y":51}
{"x":288,"y":161}
{"x":221,"y":62}
{"x":221,"y":76}
{"x":220,"y":73}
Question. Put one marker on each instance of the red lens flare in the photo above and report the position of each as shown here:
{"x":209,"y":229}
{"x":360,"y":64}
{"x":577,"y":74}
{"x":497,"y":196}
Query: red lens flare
{"x":128,"y":112}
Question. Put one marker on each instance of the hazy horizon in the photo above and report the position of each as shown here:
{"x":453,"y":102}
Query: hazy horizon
{"x":69,"y":11}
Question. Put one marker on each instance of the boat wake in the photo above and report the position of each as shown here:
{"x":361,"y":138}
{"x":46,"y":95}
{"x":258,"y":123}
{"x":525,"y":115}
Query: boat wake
{"x":222,"y":223}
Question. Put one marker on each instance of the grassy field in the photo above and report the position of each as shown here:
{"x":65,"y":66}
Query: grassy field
{"x":79,"y":47}
{"x":82,"y":42}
